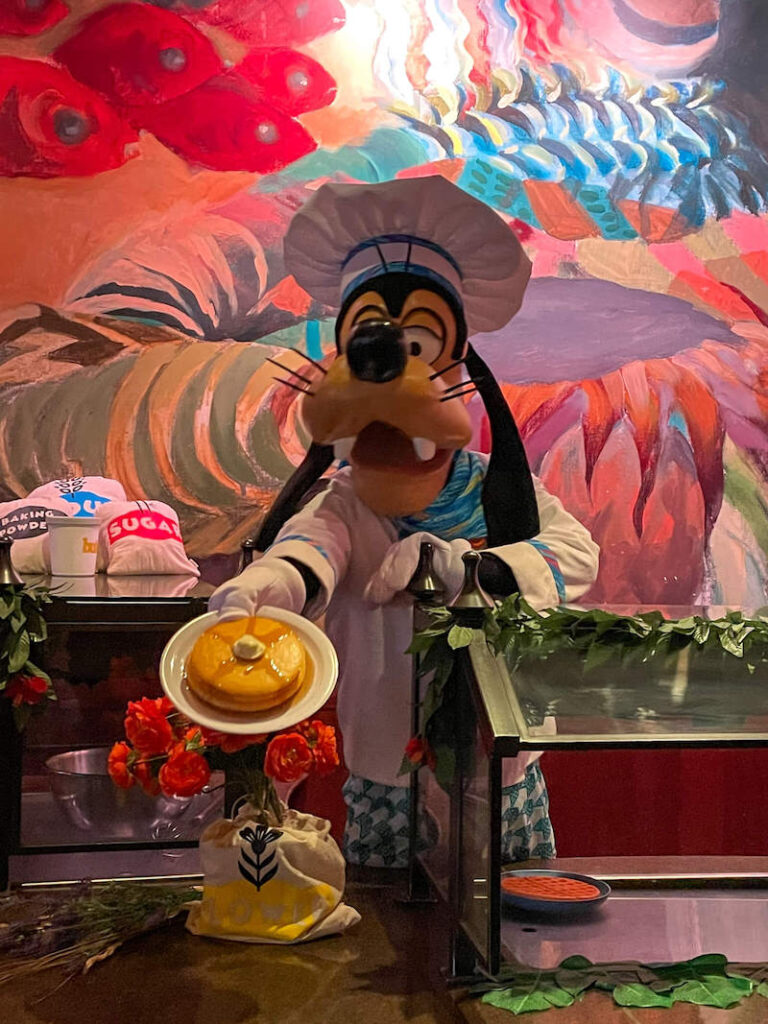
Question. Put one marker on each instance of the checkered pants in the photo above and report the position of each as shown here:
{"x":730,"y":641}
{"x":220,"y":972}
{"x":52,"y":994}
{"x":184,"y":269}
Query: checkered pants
{"x":376,"y":832}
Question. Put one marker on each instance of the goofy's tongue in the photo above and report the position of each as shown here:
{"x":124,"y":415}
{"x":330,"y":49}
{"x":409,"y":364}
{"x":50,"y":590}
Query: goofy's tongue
{"x":381,"y":445}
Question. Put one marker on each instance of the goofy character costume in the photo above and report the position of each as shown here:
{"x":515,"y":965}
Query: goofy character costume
{"x":416,"y":266}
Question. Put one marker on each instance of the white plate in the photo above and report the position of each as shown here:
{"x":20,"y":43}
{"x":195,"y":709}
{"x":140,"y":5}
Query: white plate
{"x":309,"y":699}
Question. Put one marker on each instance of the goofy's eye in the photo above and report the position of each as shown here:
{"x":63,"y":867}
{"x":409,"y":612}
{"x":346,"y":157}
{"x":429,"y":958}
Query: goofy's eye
{"x":422,"y":343}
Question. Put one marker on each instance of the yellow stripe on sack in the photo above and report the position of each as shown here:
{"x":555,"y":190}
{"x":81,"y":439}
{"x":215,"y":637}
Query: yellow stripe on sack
{"x":281,"y":912}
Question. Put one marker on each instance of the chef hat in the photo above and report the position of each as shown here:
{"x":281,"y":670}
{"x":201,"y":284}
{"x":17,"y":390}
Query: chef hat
{"x":346,"y":234}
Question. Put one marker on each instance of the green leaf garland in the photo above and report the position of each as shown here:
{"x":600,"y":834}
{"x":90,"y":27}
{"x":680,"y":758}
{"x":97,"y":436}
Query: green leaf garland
{"x":712,"y":990}
{"x":637,"y":994}
{"x":524,"y":999}
{"x":590,"y":639}
{"x":706,"y":980}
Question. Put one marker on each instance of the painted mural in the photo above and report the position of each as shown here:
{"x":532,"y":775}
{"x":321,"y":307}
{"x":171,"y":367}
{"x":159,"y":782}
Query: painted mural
{"x":151,"y":156}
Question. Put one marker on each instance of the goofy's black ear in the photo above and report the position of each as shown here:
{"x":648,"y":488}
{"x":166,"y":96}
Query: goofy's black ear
{"x":317,"y":460}
{"x":509,"y":499}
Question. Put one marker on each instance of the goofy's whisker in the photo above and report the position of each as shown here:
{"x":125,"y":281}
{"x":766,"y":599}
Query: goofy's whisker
{"x":459,"y":394}
{"x":464,"y":383}
{"x":450,"y":366}
{"x":287,"y":369}
{"x":309,"y":359}
{"x":290,"y":384}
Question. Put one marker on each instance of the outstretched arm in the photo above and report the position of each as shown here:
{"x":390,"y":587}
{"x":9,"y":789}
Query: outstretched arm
{"x":299,"y":572}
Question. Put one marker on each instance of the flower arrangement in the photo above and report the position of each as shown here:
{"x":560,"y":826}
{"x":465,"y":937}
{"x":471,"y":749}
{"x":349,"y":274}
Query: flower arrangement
{"x":164,"y":752}
{"x":22,"y":626}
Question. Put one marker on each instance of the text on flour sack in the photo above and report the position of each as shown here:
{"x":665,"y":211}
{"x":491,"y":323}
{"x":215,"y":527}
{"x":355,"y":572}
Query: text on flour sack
{"x":148,"y":525}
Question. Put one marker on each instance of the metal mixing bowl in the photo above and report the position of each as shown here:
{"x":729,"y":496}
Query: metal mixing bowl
{"x":90,"y":800}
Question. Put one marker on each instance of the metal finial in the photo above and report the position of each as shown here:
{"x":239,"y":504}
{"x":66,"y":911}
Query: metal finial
{"x":247,"y":547}
{"x":426,"y":586}
{"x":8,"y":575}
{"x":472,"y":602}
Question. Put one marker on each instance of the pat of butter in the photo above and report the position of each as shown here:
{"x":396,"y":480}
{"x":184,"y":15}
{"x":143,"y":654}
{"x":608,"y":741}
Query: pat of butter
{"x":248,"y":647}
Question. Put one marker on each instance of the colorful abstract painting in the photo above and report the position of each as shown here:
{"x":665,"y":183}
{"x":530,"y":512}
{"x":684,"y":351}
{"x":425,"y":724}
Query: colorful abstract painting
{"x":151,"y":156}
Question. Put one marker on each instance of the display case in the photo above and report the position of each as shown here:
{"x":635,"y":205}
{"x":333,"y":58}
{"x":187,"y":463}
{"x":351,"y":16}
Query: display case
{"x":105,"y":638}
{"x":560,"y":699}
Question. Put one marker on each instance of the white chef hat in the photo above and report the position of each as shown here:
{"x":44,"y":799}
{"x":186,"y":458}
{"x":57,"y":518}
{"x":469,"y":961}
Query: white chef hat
{"x":347,"y":234}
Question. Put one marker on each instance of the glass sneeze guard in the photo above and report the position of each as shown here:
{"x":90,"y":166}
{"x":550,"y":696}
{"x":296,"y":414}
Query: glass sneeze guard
{"x":696,"y":699}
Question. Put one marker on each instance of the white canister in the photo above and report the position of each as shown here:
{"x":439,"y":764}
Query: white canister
{"x":74,"y":544}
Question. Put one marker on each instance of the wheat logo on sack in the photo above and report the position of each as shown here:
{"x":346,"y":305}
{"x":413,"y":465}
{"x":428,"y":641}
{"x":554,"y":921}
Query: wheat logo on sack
{"x":23,"y":523}
{"x":148,"y":525}
{"x":87,"y":501}
{"x":261,"y":867}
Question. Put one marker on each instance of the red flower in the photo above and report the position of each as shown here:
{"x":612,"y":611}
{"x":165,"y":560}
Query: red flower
{"x":322,"y":742}
{"x":228,"y":742}
{"x":288,"y":757}
{"x":231,"y":744}
{"x":26,"y":690}
{"x":165,"y":705}
{"x":147,"y":727}
{"x":117,"y":766}
{"x":142,"y":772}
{"x":185,"y":773}
{"x":418,"y":752}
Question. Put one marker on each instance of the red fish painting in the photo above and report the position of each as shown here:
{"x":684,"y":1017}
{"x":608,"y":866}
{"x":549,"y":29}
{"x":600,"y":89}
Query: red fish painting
{"x":293,"y":82}
{"x":222,"y":125}
{"x":30,"y":17}
{"x":137,"y":55}
{"x":51,"y":125}
{"x":270,"y":22}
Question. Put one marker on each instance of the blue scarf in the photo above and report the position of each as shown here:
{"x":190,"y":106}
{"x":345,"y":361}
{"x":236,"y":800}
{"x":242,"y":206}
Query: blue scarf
{"x":457,"y":511}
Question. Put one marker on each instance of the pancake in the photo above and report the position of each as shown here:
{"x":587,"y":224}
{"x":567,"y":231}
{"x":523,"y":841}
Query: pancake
{"x":251,"y":664}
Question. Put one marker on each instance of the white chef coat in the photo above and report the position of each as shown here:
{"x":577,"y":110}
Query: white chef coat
{"x":343,"y":542}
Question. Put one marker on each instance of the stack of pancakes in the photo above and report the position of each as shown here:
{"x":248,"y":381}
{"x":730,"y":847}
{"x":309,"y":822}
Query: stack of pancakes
{"x":250,"y":664}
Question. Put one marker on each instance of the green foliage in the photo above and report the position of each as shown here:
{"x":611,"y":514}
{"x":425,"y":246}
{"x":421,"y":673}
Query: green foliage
{"x":22,"y":627}
{"x":637,"y":994}
{"x":712,"y":990}
{"x":583,"y":641}
{"x":706,"y":980}
{"x":599,"y":636}
{"x":543,"y":995}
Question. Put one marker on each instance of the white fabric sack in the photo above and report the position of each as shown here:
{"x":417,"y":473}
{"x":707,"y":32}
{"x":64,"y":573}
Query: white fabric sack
{"x":84,"y":495}
{"x":25,"y":523}
{"x":142,"y":538}
{"x":277,"y":884}
{"x":152,"y":586}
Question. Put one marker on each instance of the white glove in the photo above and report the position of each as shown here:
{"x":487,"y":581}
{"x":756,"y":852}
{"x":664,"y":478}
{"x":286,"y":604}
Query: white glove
{"x":270,"y":581}
{"x":401,"y":562}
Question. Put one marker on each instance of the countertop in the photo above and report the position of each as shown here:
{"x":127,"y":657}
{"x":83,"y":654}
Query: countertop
{"x":386,"y":970}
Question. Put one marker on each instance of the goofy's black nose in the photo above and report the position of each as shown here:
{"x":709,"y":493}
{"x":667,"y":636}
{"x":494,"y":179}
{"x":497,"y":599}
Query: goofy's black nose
{"x":376,"y":352}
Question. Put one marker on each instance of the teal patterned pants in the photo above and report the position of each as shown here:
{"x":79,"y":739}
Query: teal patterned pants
{"x":376,"y":832}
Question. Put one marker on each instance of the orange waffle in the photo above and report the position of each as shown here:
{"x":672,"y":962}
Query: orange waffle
{"x":549,"y":887}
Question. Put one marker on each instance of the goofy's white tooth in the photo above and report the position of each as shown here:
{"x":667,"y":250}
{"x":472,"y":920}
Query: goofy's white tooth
{"x":342,"y":448}
{"x":424,"y":448}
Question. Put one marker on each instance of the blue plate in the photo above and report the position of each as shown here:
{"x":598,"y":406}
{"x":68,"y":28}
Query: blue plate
{"x":537,"y":906}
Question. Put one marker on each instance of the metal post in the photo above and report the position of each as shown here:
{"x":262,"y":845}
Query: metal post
{"x":468,"y":608}
{"x":11,"y":752}
{"x":428,"y":590}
